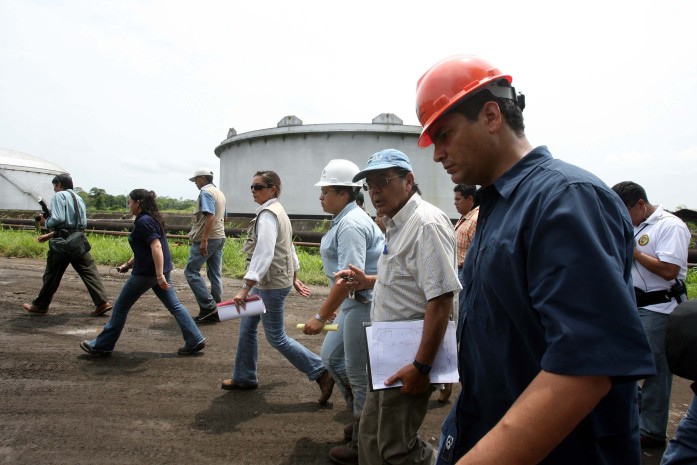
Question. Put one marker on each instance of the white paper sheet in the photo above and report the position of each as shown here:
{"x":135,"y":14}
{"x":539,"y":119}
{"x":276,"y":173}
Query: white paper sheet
{"x":393,"y":344}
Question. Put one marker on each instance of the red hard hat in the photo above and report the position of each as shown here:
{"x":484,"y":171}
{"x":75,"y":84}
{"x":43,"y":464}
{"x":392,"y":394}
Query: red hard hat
{"x":446,"y":83}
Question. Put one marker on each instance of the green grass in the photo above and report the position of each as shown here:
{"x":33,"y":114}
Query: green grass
{"x":691,"y":283}
{"x":114,"y":250}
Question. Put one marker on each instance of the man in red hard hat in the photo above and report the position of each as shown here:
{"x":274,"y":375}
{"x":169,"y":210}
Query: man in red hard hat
{"x":550,"y":342}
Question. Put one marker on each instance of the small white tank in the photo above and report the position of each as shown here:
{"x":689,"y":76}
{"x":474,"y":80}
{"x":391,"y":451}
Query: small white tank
{"x":23,"y":179}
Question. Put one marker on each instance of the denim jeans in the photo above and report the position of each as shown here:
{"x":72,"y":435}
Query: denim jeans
{"x":245,"y":368}
{"x":655,"y":390}
{"x":345,"y":354}
{"x":135,"y":287}
{"x":682,"y":449}
{"x":214,"y":269}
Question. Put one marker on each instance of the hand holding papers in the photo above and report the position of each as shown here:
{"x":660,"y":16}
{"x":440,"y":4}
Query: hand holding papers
{"x":227,"y":310}
{"x":393,"y":344}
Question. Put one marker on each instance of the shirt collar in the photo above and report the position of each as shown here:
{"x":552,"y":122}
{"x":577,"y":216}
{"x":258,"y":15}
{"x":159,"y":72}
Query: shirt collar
{"x":508,"y":181}
{"x":655,"y":216}
{"x":265,"y":204}
{"x":349,"y":206}
{"x":405,"y":212}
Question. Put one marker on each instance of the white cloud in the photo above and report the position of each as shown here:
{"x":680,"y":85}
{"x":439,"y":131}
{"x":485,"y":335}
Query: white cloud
{"x":111,"y":89}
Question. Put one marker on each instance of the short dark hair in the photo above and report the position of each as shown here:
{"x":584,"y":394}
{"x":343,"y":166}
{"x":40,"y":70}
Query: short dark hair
{"x":511,"y":112}
{"x":630,"y":193}
{"x":350,"y":190}
{"x":465,"y":190}
{"x":360,"y":198}
{"x":65,"y":180}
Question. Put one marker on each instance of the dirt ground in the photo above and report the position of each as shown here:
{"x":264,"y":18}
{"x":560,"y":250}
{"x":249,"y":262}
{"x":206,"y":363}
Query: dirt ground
{"x":146,"y":404}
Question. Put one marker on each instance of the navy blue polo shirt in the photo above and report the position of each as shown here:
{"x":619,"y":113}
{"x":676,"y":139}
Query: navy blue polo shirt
{"x":146,"y":230}
{"x":548,"y":287}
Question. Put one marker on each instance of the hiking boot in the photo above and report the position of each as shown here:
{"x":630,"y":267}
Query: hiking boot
{"x":344,"y":455}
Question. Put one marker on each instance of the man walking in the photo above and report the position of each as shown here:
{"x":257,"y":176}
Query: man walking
{"x":68,"y":215}
{"x":207,"y":241}
{"x":416,"y":280}
{"x":659,"y":271}
{"x":551,"y":344}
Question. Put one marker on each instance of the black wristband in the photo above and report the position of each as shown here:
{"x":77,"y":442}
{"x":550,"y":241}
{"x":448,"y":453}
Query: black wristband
{"x":423,"y":368}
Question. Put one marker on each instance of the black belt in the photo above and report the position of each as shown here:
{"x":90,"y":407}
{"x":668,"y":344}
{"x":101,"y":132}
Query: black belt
{"x":65,"y":232}
{"x":644,"y":299}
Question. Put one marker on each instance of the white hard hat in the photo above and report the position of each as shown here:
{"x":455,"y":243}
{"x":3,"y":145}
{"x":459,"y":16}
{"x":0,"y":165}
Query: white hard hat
{"x":201,"y":172}
{"x":339,"y":172}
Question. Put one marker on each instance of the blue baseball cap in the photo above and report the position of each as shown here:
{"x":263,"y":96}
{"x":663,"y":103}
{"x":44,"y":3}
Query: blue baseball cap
{"x":384,"y":159}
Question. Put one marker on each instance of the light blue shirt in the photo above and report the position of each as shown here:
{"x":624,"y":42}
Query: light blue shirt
{"x":63,"y":211}
{"x":353,"y":239}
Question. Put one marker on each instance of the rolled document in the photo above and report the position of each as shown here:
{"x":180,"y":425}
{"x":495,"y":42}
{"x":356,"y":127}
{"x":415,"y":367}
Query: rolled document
{"x":326,"y":327}
{"x":253,"y":306}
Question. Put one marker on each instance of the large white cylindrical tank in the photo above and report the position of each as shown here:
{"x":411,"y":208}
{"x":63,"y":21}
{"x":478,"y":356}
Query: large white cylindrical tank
{"x":298,"y":153}
{"x":24,"y":178}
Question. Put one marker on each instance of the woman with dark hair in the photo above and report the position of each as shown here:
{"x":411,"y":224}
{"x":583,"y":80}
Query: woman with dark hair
{"x":152,"y":264}
{"x":271,"y":270}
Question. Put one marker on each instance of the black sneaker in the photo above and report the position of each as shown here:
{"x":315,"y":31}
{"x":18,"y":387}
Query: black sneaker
{"x":85,"y":345}
{"x":186,"y":350}
{"x":207,"y":316}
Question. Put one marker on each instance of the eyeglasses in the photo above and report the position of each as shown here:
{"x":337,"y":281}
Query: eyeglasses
{"x":258,"y":187}
{"x":380,"y":182}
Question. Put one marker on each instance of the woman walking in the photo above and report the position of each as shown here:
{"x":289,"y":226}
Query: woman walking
{"x":353,"y":239}
{"x":152,"y":264}
{"x":271,"y":270}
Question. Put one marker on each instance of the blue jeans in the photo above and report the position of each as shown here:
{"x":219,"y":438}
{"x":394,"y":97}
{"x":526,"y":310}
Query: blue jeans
{"x":245,"y":369}
{"x":345,"y":354}
{"x":214,"y":270}
{"x":135,"y":287}
{"x":655,"y":391}
{"x":682,"y":449}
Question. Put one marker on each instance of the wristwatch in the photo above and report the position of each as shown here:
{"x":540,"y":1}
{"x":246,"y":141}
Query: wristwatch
{"x":319,"y":318}
{"x":244,"y":286}
{"x":423,"y":368}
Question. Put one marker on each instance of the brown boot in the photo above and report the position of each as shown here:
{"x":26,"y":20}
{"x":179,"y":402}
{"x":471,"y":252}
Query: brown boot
{"x":326,"y":386}
{"x":348,"y":432}
{"x":344,"y":455}
{"x":31,"y":308}
{"x":445,"y":393}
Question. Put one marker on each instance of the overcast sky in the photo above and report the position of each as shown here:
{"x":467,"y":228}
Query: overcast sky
{"x":127,"y":94}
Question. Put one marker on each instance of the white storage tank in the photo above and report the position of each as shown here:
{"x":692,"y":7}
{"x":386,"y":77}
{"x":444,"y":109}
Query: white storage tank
{"x":298,"y":153}
{"x":23,"y":179}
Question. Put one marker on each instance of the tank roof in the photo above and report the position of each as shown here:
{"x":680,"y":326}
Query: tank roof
{"x":12,"y":159}
{"x":384,"y":123}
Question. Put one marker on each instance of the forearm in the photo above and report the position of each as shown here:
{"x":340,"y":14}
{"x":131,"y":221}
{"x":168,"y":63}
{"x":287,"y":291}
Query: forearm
{"x":157,"y":258}
{"x":667,"y":271}
{"x":208,"y":227}
{"x":538,"y":421}
{"x":436,"y":319}
{"x":337,"y":294}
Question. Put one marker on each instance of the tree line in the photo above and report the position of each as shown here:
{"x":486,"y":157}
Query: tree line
{"x":98,"y":200}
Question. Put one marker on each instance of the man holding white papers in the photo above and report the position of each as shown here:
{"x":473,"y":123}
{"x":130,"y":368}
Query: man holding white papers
{"x":416,"y":280}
